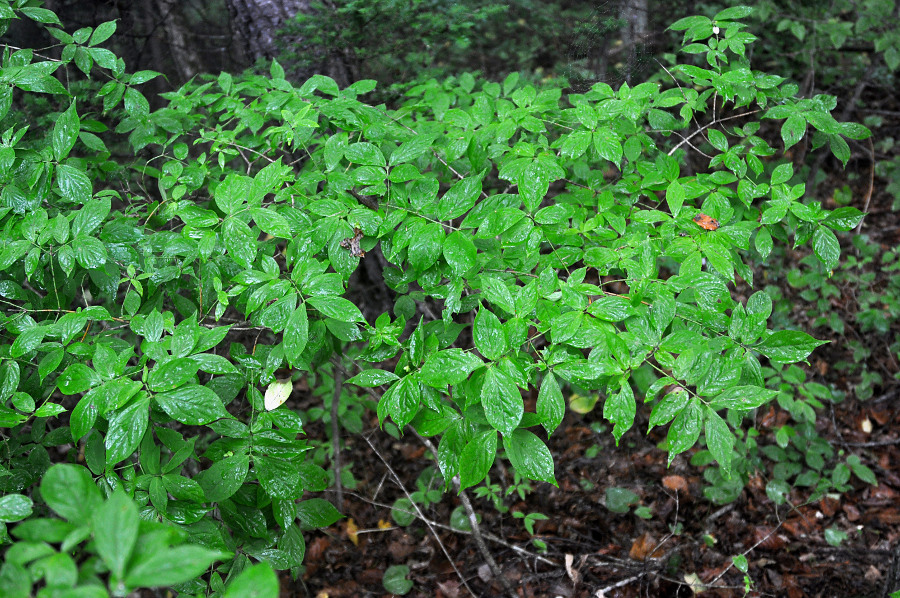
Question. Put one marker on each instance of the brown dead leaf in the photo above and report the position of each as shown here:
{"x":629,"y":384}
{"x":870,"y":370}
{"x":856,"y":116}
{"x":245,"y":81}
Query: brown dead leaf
{"x":316,"y":549}
{"x":829,"y":506}
{"x":764,"y":535}
{"x":676,"y":483}
{"x":643,"y":546}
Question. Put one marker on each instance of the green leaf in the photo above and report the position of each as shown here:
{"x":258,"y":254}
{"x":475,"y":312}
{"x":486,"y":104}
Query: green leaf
{"x":115,"y":526}
{"x":70,"y":491}
{"x":608,"y":146}
{"x":192,"y":404}
{"x":620,"y":409}
{"x":551,"y":406}
{"x":172,"y":374}
{"x":685,"y":429}
{"x":425,"y":245}
{"x":530,"y":456}
{"x":41,"y":15}
{"x":412,"y":149}
{"x":619,"y":500}
{"x":160,"y":565}
{"x":240,"y":242}
{"x":502,"y":401}
{"x":256,"y":581}
{"x":270,"y":221}
{"x":401,"y":401}
{"x":450,"y":366}
{"x":373,"y":377}
{"x":364,"y":153}
{"x":742,"y":398}
{"x":90,"y":217}
{"x":15,"y":507}
{"x":225,"y":477}
{"x":460,"y":198}
{"x":27,"y":341}
{"x":460,"y":252}
{"x":232,"y":193}
{"x":395,"y":582}
{"x":278,"y":477}
{"x":792,"y":130}
{"x":89,"y":251}
{"x":65,"y":132}
{"x":296,"y":334}
{"x":76,"y":378}
{"x":763,"y":242}
{"x":788,"y":346}
{"x":488,"y":334}
{"x":733,"y":13}
{"x":476,"y":458}
{"x":73,"y":183}
{"x":826,"y":247}
{"x":317,"y":512}
{"x":126,"y":429}
{"x":675,"y":197}
{"x":337,"y":308}
{"x":719,"y":440}
{"x":102,"y":32}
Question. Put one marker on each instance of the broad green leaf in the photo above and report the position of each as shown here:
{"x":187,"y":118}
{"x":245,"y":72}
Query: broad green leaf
{"x":401,"y":401}
{"x":225,"y":477}
{"x":685,"y":429}
{"x":89,"y":251}
{"x":675,"y":197}
{"x":271,"y":222}
{"x":459,"y":251}
{"x":395,"y":582}
{"x":364,"y":153}
{"x":15,"y":507}
{"x":256,"y":581}
{"x":476,"y":458}
{"x":27,"y":341}
{"x":65,"y":132}
{"x":278,"y":477}
{"x":460,"y":198}
{"x":160,"y":565}
{"x":530,"y":456}
{"x":620,"y":409}
{"x":115,"y":526}
{"x":826,"y":247}
{"x":192,"y":404}
{"x":742,"y":398}
{"x":412,"y":149}
{"x":551,"y":406}
{"x":719,"y":440}
{"x":240,"y":242}
{"x":425,"y":245}
{"x":373,"y":377}
{"x":619,"y":500}
{"x":792,"y":130}
{"x":502,"y":401}
{"x":172,"y":374}
{"x":296,"y":334}
{"x":102,"y":32}
{"x":126,"y":429}
{"x":232,"y":193}
{"x":76,"y":378}
{"x":489,"y":337}
{"x":450,"y":366}
{"x":71,"y":492}
{"x":317,"y":512}
{"x":733,"y":13}
{"x":788,"y":346}
{"x":73,"y":183}
{"x":337,"y":308}
{"x":608,"y":146}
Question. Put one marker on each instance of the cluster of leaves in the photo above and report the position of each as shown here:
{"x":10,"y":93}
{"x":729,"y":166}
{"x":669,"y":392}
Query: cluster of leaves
{"x":533,"y":241}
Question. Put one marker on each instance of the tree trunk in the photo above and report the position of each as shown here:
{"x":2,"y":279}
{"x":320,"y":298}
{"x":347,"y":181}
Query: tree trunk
{"x":257,"y":21}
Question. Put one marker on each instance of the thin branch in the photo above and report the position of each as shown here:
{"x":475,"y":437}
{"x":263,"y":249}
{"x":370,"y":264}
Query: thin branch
{"x":336,"y":437}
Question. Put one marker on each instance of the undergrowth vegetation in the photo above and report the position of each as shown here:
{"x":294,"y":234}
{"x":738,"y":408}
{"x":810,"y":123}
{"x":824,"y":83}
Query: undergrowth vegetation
{"x":168,"y":275}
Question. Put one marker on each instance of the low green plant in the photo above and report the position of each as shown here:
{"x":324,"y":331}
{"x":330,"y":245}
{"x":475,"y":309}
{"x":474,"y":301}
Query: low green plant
{"x":532,"y":241}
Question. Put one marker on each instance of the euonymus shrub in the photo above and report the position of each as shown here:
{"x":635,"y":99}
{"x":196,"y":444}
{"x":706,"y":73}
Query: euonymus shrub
{"x":533,"y":242}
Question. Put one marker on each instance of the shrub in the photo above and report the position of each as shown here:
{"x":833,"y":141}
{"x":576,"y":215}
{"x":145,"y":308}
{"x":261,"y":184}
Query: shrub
{"x":533,"y":241}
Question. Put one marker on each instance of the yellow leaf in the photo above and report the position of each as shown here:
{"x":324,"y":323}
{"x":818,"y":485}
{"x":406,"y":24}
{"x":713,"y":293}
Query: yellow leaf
{"x":582,"y":405}
{"x":352,"y":530}
{"x":382,"y":524}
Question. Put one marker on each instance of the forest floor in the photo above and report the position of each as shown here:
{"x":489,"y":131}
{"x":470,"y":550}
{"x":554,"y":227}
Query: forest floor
{"x":684,"y":546}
